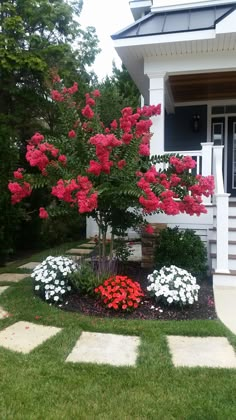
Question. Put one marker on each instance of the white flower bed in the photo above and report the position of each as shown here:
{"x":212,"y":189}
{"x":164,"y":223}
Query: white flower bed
{"x":173,"y":285}
{"x":51,"y":278}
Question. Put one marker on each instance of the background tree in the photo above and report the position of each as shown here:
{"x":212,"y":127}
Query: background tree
{"x":117,"y":92}
{"x":37,"y":38}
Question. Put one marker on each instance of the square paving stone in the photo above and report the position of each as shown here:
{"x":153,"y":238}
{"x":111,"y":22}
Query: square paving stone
{"x":12,"y":277}
{"x":3,"y":288}
{"x":30,"y":265}
{"x":87,"y":246}
{"x":79,"y":251}
{"x":25,"y":336}
{"x":215,"y":352}
{"x":111,"y":349}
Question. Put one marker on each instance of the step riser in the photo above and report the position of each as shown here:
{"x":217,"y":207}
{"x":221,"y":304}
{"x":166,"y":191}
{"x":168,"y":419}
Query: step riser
{"x":232,"y":235}
{"x":232,"y":264}
{"x":232,"y":223}
{"x":232,"y":211}
{"x":231,"y":249}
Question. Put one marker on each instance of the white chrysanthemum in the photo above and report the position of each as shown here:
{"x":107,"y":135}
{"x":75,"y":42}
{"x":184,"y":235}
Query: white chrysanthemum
{"x":173,"y":285}
{"x":50,"y":277}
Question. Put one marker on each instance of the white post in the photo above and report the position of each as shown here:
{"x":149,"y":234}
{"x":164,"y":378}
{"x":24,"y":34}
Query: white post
{"x":207,"y":164}
{"x":157,"y":96}
{"x":222,"y":211}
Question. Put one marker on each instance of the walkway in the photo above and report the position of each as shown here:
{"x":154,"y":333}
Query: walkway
{"x":225,"y":304}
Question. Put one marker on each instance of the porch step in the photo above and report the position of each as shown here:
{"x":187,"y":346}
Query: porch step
{"x":231,"y":244}
{"x":231,"y":258}
{"x":232,"y":221}
{"x":224,"y":279}
{"x":232,"y":233}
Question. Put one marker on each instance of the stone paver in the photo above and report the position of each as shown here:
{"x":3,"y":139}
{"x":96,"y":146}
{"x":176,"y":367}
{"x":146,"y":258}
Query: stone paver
{"x":112,"y":349}
{"x":30,"y":265}
{"x":88,"y":245}
{"x":25,"y":336}
{"x":225,"y":299}
{"x":12,"y":277}
{"x":215,"y":352}
{"x":3,"y":288}
{"x":77,"y":251}
{"x":3,"y":314}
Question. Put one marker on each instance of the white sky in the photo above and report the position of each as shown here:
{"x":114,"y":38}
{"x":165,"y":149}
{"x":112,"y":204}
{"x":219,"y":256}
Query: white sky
{"x":108,"y":17}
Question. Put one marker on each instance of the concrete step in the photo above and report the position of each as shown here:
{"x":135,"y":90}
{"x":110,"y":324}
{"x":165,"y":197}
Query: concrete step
{"x":232,"y":261}
{"x":232,"y":234}
{"x":224,"y":279}
{"x":231,"y":244}
{"x":232,"y":221}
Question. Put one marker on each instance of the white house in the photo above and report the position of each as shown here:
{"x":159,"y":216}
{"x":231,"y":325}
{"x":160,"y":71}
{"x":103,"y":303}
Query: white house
{"x":182,"y":54}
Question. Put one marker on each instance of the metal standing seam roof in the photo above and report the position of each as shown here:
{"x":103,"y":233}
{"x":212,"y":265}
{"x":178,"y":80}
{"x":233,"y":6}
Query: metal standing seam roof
{"x":176,"y":21}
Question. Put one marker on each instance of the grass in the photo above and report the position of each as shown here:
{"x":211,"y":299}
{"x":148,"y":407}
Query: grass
{"x":41,"y":385}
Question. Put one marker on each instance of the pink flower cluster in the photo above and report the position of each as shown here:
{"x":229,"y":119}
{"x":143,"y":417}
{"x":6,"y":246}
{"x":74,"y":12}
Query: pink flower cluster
{"x":104,"y":143}
{"x":166,"y":200}
{"x":87,"y":111}
{"x":40,"y":154}
{"x":19,"y":191}
{"x":183,"y":164}
{"x":78,"y":192}
{"x":62,"y":96}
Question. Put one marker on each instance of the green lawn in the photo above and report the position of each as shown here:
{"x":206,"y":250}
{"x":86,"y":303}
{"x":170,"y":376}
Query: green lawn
{"x":42,"y":386}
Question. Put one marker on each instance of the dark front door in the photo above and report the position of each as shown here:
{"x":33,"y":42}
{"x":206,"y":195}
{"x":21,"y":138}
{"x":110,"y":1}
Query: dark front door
{"x":231,"y":157}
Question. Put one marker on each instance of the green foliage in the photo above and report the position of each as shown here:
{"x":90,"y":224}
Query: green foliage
{"x":118,"y":92}
{"x":122,"y":249}
{"x":85,"y":280}
{"x":62,"y":228}
{"x":10,"y":217}
{"x":37,"y":38}
{"x":183,"y":249}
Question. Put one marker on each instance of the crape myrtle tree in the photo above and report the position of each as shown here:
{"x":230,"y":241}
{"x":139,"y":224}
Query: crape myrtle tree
{"x":37,"y":38}
{"x":105,"y":170}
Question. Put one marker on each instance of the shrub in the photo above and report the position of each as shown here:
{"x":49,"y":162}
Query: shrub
{"x":123,"y":250}
{"x":120,"y":292}
{"x":51,"y":278}
{"x":184,"y":249}
{"x":85,"y":280}
{"x":173,"y":285}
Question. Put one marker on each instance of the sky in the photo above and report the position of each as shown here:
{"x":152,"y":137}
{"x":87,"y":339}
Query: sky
{"x":108,"y":17}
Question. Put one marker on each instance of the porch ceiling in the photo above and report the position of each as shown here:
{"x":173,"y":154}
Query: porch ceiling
{"x":204,"y":86}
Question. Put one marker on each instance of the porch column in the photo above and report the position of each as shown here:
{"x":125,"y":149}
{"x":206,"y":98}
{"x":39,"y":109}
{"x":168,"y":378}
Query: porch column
{"x":157,"y":96}
{"x":207,"y":169}
{"x":222,"y":210}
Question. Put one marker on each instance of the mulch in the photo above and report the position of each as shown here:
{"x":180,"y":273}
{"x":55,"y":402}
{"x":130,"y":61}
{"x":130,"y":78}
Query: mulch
{"x":149,"y":309}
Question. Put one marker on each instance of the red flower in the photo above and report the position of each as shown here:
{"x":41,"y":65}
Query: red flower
{"x":120,"y":292}
{"x":72,"y":134}
{"x":62,"y":159}
{"x":121,"y":164}
{"x":96,"y":93}
{"x":149,"y":229}
{"x":88,"y":112}
{"x":43,"y":214}
{"x":18,"y":174}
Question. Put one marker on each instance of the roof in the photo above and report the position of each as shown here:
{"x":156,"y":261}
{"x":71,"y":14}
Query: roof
{"x":175,"y":21}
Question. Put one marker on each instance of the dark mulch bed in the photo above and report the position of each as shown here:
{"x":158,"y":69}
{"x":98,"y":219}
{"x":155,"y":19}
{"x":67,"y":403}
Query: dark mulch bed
{"x":149,"y":309}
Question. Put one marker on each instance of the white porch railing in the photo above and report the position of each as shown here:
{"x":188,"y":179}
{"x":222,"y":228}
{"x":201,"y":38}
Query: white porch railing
{"x":222,"y":212}
{"x":203,"y":159}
